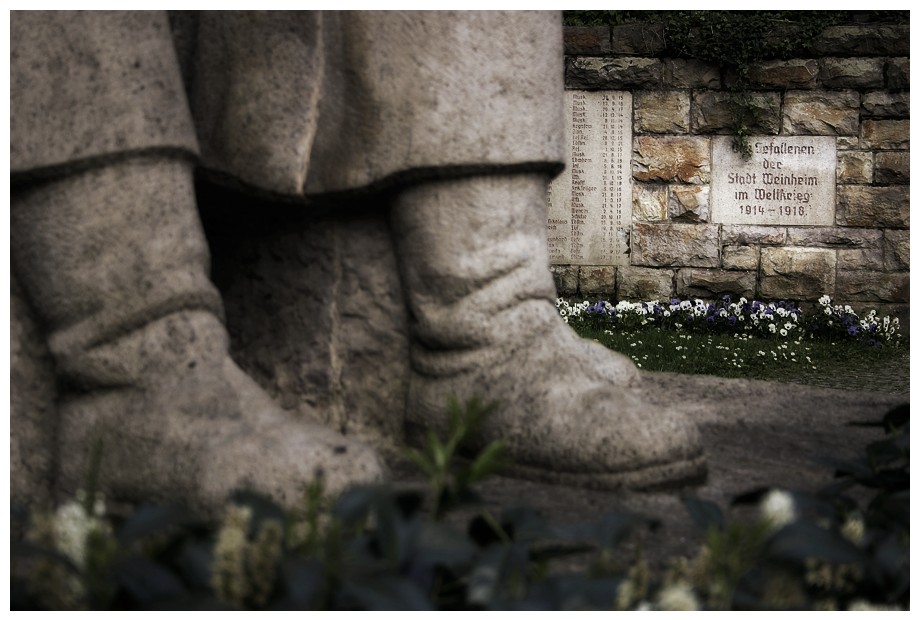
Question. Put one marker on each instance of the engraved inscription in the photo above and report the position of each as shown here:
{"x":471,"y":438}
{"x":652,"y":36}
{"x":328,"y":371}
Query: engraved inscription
{"x":590,"y":203}
{"x":789,"y":180}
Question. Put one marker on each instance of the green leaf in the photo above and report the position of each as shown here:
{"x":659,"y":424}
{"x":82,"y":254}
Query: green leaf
{"x":488,"y":462}
{"x":385,"y":593}
{"x":149,"y":520}
{"x":706,"y":514}
{"x":802,"y":540}
{"x":147,"y":582}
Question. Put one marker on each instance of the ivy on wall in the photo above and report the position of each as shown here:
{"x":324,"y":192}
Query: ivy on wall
{"x":736,"y":41}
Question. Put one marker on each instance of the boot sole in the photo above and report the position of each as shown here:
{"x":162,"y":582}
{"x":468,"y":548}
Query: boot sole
{"x":661,"y":477}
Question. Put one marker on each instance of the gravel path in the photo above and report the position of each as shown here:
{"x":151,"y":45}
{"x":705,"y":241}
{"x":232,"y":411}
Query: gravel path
{"x":889,"y":376}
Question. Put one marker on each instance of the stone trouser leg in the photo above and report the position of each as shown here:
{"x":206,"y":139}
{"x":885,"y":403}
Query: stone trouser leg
{"x":474,"y":261}
{"x":115,"y":263}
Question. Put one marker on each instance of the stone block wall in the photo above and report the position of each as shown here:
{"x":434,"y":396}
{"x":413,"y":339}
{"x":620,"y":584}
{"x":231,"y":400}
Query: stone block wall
{"x":855,"y":87}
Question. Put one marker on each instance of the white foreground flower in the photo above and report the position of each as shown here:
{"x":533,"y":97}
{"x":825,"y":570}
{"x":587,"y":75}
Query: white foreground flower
{"x":678,"y":597}
{"x":778,"y":507}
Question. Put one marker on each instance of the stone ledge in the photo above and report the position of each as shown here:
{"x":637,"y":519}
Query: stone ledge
{"x":586,"y":39}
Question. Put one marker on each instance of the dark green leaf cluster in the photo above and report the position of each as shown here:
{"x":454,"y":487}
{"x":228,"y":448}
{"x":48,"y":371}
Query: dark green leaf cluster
{"x":383,"y":547}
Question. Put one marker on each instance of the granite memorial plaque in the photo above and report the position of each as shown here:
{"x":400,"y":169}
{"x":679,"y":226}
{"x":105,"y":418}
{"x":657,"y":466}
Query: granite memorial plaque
{"x":789,"y":181}
{"x":590,"y":203}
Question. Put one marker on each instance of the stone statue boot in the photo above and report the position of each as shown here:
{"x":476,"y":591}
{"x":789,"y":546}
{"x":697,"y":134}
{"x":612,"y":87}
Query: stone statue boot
{"x":115,"y":263}
{"x":474,"y":260}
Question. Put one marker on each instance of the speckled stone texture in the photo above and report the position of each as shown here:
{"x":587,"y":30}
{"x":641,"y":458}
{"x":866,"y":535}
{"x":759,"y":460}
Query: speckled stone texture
{"x":133,"y":324}
{"x":474,"y":260}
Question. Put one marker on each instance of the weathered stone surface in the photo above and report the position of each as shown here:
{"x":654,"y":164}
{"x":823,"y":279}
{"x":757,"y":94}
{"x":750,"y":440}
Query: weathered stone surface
{"x":847,"y":143}
{"x":566,"y":278}
{"x":586,"y":39}
{"x":864,"y":40}
{"x":588,"y":72}
{"x":739,"y":234}
{"x":661,"y":245}
{"x":671,"y":159}
{"x":873,"y":207}
{"x":852,"y":72}
{"x":785,"y":74}
{"x":882,"y":104}
{"x":892,"y":167}
{"x":590,"y":201}
{"x":873,"y":286}
{"x":885,"y":134}
{"x":897,"y":250}
{"x":710,"y":113}
{"x":690,"y":73}
{"x":32,"y":413}
{"x":662,"y":111}
{"x":596,"y":280}
{"x":639,"y":39}
{"x":740,"y":257}
{"x":688,"y":203}
{"x":642,"y":283}
{"x":897,"y":73}
{"x":650,"y":202}
{"x":860,"y":260}
{"x":317,"y":318}
{"x":796,"y":273}
{"x":834,"y":237}
{"x":788,"y":181}
{"x":821,"y":113}
{"x":854,"y":167}
{"x":713,"y":283}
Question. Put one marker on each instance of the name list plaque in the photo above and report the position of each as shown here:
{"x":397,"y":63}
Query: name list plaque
{"x":590,"y":203}
{"x":789,"y":181}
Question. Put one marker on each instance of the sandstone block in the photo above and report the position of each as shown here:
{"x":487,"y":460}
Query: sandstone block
{"x":690,"y":73}
{"x":796,"y":273}
{"x":852,"y":72}
{"x":882,"y":104}
{"x":642,"y":283}
{"x":597,"y":280}
{"x":688,"y":203}
{"x":821,"y":113}
{"x":892,"y":168}
{"x":713,"y":283}
{"x":885,"y":134}
{"x":873,"y":207}
{"x":860,"y":259}
{"x":650,"y":202}
{"x":835,"y":237}
{"x":671,"y":159}
{"x":744,"y":257}
{"x":566,"y":279}
{"x":864,"y":40}
{"x":661,"y":245}
{"x":639,"y":39}
{"x":847,"y":143}
{"x":873,"y":286}
{"x":662,"y":111}
{"x":586,"y":39}
{"x":739,"y":234}
{"x":897,"y":250}
{"x":897,"y":73}
{"x":612,"y":73}
{"x":785,"y":74}
{"x":710,"y":113}
{"x":854,"y":167}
